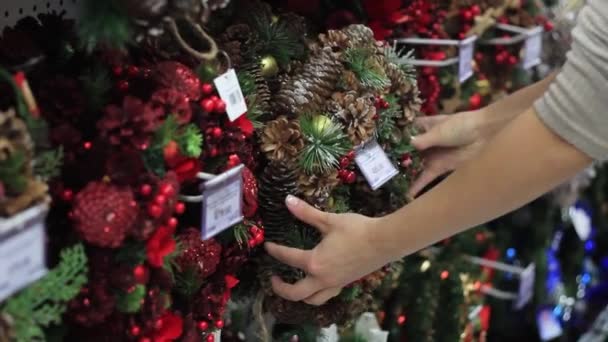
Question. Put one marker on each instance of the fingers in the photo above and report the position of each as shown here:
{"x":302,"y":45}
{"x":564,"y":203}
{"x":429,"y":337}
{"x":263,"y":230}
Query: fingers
{"x":308,"y":214}
{"x":295,"y":292}
{"x":425,"y":123}
{"x":291,"y":256}
{"x":421,"y":182}
{"x":323,"y":296}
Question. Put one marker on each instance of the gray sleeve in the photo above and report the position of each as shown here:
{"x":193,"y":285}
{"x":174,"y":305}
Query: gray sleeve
{"x":576,"y":105}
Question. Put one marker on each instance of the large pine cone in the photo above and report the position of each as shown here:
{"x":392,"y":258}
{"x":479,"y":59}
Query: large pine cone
{"x":307,"y":91}
{"x":357,"y":113}
{"x":282,"y":140}
{"x":277,"y":181}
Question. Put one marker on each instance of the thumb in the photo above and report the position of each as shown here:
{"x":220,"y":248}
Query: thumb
{"x":427,"y":140}
{"x":308,"y":214}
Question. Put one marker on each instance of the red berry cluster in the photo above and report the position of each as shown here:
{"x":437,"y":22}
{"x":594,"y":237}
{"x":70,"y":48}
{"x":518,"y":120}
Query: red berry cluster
{"x":345,"y":173}
{"x":211,"y":103}
{"x":467,"y":15}
{"x":160,"y":201}
{"x":406,"y":160}
{"x":125,"y":74}
{"x":257,"y":236}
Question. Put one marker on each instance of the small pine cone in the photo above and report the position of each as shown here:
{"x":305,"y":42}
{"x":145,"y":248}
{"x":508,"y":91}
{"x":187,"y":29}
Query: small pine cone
{"x":351,"y":81}
{"x":200,"y":255}
{"x":16,"y":134}
{"x":277,"y":181}
{"x":282,"y":140}
{"x":307,"y":91}
{"x":360,"y":36}
{"x":357,"y":113}
{"x":316,"y":189}
{"x":234,"y":41}
{"x":104,"y":214}
{"x":334,"y":39}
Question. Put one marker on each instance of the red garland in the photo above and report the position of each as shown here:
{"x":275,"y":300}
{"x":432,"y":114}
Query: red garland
{"x":159,"y":246}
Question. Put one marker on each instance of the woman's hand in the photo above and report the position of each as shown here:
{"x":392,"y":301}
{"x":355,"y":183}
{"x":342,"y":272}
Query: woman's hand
{"x":448,"y":141}
{"x":346,"y":253}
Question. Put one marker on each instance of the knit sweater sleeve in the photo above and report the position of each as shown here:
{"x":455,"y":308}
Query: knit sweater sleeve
{"x":576,"y":105}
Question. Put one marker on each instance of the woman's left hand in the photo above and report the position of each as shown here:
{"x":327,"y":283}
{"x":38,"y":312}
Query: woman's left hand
{"x":346,"y":253}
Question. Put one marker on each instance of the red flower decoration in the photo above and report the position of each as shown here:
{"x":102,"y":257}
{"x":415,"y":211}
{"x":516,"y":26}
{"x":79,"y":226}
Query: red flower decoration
{"x":159,"y":246}
{"x":186,"y":169}
{"x":171,"y":328}
{"x":244,"y":124}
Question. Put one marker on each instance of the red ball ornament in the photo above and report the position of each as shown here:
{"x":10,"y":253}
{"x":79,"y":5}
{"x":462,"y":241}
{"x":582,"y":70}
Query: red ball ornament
{"x":207,"y":88}
{"x":203,"y":325}
{"x":135,"y":330}
{"x":172,"y":222}
{"x":160,"y":200}
{"x":342,"y":174}
{"x":180,"y":208}
{"x":548,"y":26}
{"x":254,"y":230}
{"x":476,"y":10}
{"x":250,"y":194}
{"x":210,"y":338}
{"x":219,"y":324}
{"x":175,"y":75}
{"x":217,"y":132}
{"x":220,"y":106}
{"x":351,"y":155}
{"x":167,"y":190}
{"x":155,"y":211}
{"x":214,"y":152}
{"x":140,"y":273}
{"x":513,"y":60}
{"x":251,"y":243}
{"x":159,"y":324}
{"x":145,"y":339}
{"x":259,"y":238}
{"x":145,"y":190}
{"x":467,"y":15}
{"x":444,"y":275}
{"x":87,"y":145}
{"x":208,"y":105}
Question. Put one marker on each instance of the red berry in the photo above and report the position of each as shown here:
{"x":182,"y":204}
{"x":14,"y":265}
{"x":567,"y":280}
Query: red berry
{"x":117,"y":70}
{"x":251,"y":243}
{"x":351,"y":155}
{"x":67,"y":195}
{"x":220,"y":106}
{"x":167,"y":190}
{"x":214,"y":98}
{"x":172,"y":222}
{"x":208,"y":105}
{"x":203,"y":325}
{"x":217,"y":132}
{"x":140,"y":273}
{"x":135,"y":330}
{"x":214,"y":152}
{"x":159,"y":324}
{"x":145,"y":190}
{"x":467,"y":15}
{"x":132,"y":71}
{"x":155,"y":211}
{"x":210,"y":338}
{"x":180,"y":208}
{"x":476,"y":10}
{"x":87,"y":145}
{"x":342,"y":174}
{"x":344,"y":162}
{"x":259,"y":239}
{"x":254,"y":230}
{"x":351,"y":177}
{"x":123,"y":85}
{"x":145,"y":339}
{"x":219,"y":324}
{"x":513,"y":60}
{"x":160,"y":200}
{"x":548,"y":26}
{"x":207,"y":88}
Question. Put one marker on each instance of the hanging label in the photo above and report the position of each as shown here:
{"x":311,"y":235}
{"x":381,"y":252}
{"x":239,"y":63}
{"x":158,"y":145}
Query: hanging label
{"x":581,"y":222}
{"x":329,"y":334}
{"x":533,"y":48}
{"x":222,"y":202}
{"x":230,"y":92}
{"x":375,"y":165}
{"x":465,"y":59}
{"x":22,"y":250}
{"x":549,"y":328}
{"x":526,"y":287}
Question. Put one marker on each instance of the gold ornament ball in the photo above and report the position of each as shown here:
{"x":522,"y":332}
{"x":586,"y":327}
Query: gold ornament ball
{"x":270,"y":67}
{"x":321,"y":123}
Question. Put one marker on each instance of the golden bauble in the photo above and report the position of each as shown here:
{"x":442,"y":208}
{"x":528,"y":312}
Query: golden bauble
{"x":270,"y":67}
{"x":321,"y":123}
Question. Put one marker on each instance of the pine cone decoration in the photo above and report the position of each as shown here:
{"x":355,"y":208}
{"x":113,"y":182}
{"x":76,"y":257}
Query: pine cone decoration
{"x":234,"y":41}
{"x":351,"y":81}
{"x":316,"y":189}
{"x":262,"y":90}
{"x":357,"y":113}
{"x":104,"y":214}
{"x":14,"y":130}
{"x":132,"y":124}
{"x":360,"y":36}
{"x":277,"y":181}
{"x":282,"y":140}
{"x":201,"y":256}
{"x":307,"y":91}
{"x":334,"y":39}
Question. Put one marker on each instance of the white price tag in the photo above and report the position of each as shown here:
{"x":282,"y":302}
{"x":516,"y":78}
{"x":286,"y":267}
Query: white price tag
{"x":329,"y":334}
{"x":230,"y":92}
{"x":375,"y":165}
{"x":533,"y":48}
{"x":581,"y":222}
{"x":549,"y":328}
{"x":526,"y":287}
{"x":222,"y":202}
{"x":22,"y":250}
{"x":465,"y":58}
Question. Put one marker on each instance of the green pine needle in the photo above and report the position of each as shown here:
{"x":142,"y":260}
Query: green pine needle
{"x":48,"y":164}
{"x":370,"y":74}
{"x":11,"y":173}
{"x":130,"y":302}
{"x":44,"y":302}
{"x":324,"y":145}
{"x":103,"y":24}
{"x":247,"y":83}
{"x":132,"y":253}
{"x":402,"y":59}
{"x":387,"y":119}
{"x":188,"y":282}
{"x":254,"y":112}
{"x":190,"y":141}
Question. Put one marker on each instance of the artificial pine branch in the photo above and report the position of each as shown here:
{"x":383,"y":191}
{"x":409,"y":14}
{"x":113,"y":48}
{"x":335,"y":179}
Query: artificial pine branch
{"x":188,"y":282}
{"x":254,"y":112}
{"x":325,"y":143}
{"x":402,"y":59}
{"x":190,"y":141}
{"x":44,"y":302}
{"x":361,"y":61}
{"x":11,"y":172}
{"x":130,"y":302}
{"x":47,"y":164}
{"x":103,"y":24}
{"x":387,"y":119}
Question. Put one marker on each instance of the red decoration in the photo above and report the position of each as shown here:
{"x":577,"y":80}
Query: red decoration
{"x":380,"y":9}
{"x":208,"y":105}
{"x":484,"y":317}
{"x":103,"y":214}
{"x":444,"y":275}
{"x":159,"y":246}
{"x":170,"y":330}
{"x":401,"y":319}
{"x":203,"y":325}
{"x":155,"y":211}
{"x":217,"y":132}
{"x":180,"y":208}
{"x":172,"y":223}
{"x":475,"y":101}
{"x":186,"y":168}
{"x":201,"y":256}
{"x":135,"y":331}
{"x":140,"y":273}
{"x":174,"y":102}
{"x":219,"y":324}
{"x":220,"y":106}
{"x":244,"y":124}
{"x":210,"y":338}
{"x":175,"y":75}
{"x":145,"y":190}
{"x":207,"y":88}
{"x":250,"y":194}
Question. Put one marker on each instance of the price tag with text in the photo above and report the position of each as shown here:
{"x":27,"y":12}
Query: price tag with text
{"x":533,"y":48}
{"x":230,"y":92}
{"x":22,"y":250}
{"x":375,"y":165}
{"x":222,"y":202}
{"x":526,"y":287}
{"x":465,"y":58}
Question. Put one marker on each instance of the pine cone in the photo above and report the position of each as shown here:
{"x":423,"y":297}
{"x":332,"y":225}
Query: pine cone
{"x":235,"y":41}
{"x":316,"y":189}
{"x":307,"y":91}
{"x":277,"y":181}
{"x":282,"y":140}
{"x":351,"y":81}
{"x":14,"y":130}
{"x":201,"y":256}
{"x":360,"y":36}
{"x":357,"y":113}
{"x":132,"y":124}
{"x":262,"y":91}
{"x":334,"y":39}
{"x":104,"y":214}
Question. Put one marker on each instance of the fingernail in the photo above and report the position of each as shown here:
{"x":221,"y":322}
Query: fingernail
{"x":292,"y":201}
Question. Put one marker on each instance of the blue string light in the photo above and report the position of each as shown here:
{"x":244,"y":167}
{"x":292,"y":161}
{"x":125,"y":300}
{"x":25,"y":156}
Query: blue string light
{"x":511,"y":253}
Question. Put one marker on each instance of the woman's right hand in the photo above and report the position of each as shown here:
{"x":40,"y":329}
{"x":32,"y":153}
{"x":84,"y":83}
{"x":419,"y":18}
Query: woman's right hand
{"x":447,"y":142}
